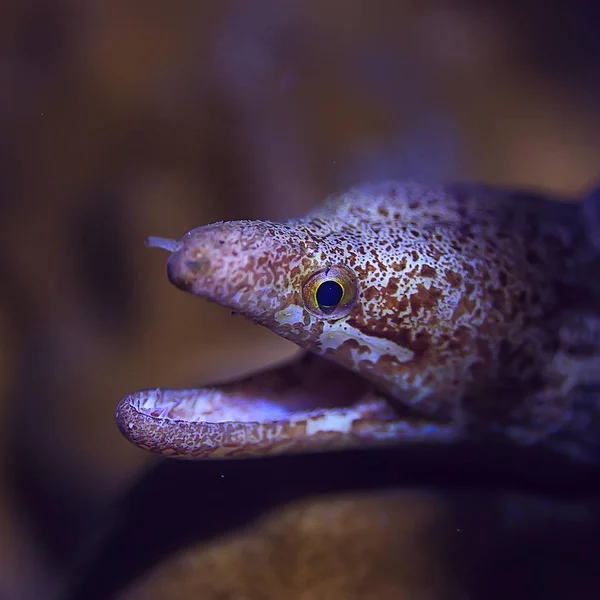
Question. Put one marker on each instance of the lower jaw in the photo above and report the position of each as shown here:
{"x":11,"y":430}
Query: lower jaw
{"x":308,"y":405}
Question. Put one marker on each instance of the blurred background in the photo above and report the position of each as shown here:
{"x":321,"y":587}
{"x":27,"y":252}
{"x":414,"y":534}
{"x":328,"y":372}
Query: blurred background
{"x":125,"y":119}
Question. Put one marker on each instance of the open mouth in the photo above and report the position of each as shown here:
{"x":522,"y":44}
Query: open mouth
{"x":308,"y":405}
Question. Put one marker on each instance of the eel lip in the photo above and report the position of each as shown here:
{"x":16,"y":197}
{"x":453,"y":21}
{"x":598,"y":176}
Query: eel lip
{"x":198,"y":423}
{"x":307,"y":405}
{"x":207,"y":423}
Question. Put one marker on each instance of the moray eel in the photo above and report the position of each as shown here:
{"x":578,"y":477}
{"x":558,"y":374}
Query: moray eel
{"x":429,"y":313}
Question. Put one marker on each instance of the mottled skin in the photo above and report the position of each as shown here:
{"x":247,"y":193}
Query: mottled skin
{"x":470,"y":313}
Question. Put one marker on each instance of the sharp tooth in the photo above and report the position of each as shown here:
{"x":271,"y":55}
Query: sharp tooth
{"x":165,"y":412}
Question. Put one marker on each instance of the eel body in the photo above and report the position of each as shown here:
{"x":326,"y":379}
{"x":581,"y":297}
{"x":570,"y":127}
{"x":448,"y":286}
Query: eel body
{"x":429,"y":313}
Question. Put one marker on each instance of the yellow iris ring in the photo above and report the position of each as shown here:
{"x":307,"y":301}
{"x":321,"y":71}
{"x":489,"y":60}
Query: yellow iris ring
{"x":340,"y":275}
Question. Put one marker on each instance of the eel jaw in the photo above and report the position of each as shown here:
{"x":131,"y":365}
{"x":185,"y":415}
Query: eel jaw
{"x":308,"y":405}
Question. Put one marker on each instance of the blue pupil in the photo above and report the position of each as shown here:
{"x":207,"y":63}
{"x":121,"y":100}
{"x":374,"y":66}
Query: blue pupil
{"x":329,"y":294}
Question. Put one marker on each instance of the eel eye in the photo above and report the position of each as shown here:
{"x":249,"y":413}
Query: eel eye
{"x":330,"y":292}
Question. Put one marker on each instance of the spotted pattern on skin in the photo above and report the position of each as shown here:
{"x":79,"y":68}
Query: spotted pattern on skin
{"x":464,"y":298}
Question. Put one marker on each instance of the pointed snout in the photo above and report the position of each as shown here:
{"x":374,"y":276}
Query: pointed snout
{"x":242,"y":265}
{"x":186,"y":266}
{"x":211,"y":260}
{"x":182,"y":270}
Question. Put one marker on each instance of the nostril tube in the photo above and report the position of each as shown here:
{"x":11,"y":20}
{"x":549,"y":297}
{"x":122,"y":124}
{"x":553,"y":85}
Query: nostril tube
{"x":162,"y":243}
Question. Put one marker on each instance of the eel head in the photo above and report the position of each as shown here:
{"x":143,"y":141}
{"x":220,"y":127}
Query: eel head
{"x":347,"y":286}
